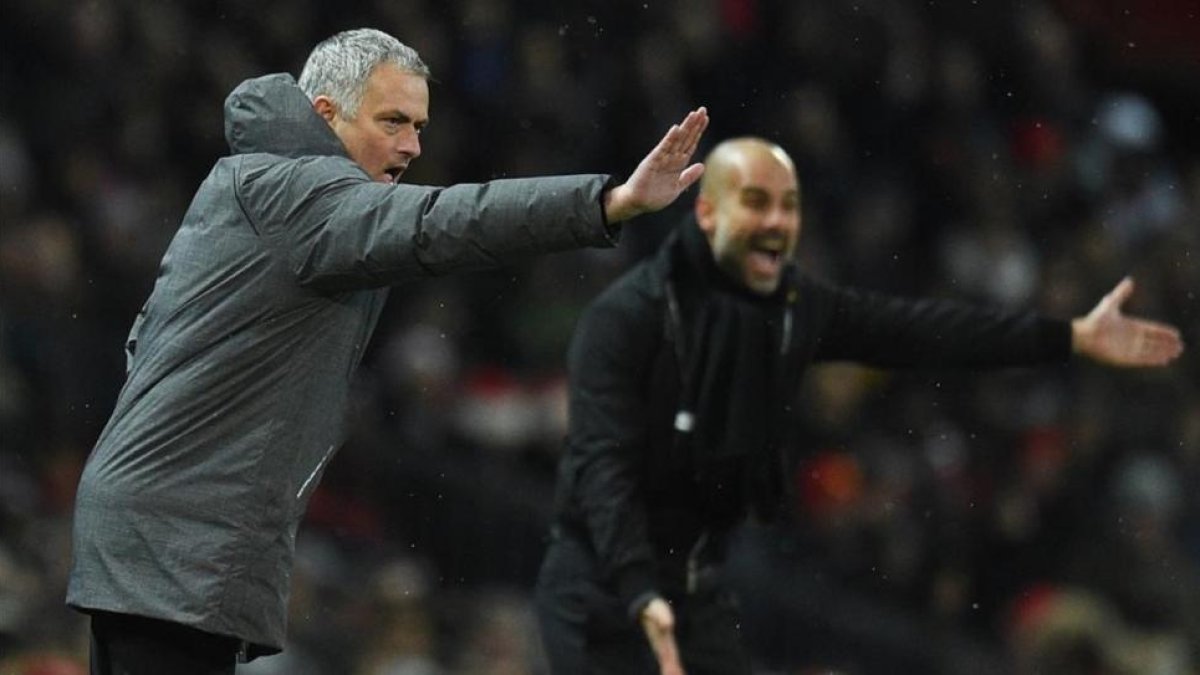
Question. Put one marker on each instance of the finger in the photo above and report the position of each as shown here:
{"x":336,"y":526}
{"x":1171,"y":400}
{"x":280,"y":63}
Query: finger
{"x":697,"y":130}
{"x":690,"y":175}
{"x":1156,"y":344}
{"x":1160,"y":330}
{"x":1165,"y":342}
{"x":681,"y":135}
{"x":1120,"y":294}
{"x":668,"y":655}
{"x":669,"y":139}
{"x":694,"y":126}
{"x":1159,"y":333}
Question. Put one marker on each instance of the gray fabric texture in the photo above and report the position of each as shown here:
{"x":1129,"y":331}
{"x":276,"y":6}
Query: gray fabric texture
{"x":241,"y":359}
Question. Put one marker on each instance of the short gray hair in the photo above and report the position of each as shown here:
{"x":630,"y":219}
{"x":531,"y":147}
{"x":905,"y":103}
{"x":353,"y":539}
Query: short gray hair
{"x":340,"y":65}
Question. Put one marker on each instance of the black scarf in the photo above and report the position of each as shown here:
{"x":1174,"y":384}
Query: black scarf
{"x":732,"y":394}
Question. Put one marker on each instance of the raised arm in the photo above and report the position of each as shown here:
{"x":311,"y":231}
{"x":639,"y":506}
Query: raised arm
{"x":663,"y":174}
{"x":1107,"y":336}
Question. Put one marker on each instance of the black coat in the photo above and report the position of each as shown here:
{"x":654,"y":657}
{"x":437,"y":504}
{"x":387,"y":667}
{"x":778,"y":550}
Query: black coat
{"x":628,"y":487}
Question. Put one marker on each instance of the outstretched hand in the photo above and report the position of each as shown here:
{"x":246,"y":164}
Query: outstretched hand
{"x":664,"y":173}
{"x":659,"y":623}
{"x":1109,"y":337}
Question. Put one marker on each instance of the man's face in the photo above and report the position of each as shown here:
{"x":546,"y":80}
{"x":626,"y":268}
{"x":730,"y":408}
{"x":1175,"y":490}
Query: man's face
{"x":752,"y":218}
{"x":385,"y":134}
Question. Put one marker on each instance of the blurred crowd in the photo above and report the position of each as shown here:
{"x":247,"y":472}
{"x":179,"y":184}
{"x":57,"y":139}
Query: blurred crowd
{"x":945,"y":522}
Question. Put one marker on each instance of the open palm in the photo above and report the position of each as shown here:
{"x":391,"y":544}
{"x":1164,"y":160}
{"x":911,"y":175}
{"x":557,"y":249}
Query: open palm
{"x":1110,"y":337}
{"x":663,"y":174}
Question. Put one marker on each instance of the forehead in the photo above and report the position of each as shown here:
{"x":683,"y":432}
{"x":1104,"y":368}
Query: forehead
{"x":761,"y":168}
{"x":390,"y":88}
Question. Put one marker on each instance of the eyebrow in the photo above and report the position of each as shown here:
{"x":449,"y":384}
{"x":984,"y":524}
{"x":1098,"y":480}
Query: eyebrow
{"x":752,"y":191}
{"x":404,"y":117}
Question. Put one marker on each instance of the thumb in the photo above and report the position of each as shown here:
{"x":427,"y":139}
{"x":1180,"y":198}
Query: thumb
{"x":690,"y":175}
{"x":1119,"y":295}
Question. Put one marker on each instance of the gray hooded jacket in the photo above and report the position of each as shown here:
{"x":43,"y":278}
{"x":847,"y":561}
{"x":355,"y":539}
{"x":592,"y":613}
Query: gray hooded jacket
{"x":240,"y":361}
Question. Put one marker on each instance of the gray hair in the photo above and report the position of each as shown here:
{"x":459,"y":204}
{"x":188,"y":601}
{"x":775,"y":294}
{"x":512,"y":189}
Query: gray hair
{"x":340,"y":65}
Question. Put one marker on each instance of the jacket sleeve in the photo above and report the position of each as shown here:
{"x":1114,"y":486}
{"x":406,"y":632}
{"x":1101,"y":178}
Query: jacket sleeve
{"x":888,"y":331}
{"x":343,"y":231}
{"x":608,"y":363}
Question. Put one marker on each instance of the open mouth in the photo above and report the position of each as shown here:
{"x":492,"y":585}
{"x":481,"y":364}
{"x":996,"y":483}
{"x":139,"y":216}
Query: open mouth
{"x":766,"y":257}
{"x":393,"y":173}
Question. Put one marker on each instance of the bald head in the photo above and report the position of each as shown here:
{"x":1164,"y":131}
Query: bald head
{"x":749,"y":209}
{"x":727,"y":163}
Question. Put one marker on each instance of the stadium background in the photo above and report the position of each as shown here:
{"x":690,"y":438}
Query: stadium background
{"x":1019,"y":153}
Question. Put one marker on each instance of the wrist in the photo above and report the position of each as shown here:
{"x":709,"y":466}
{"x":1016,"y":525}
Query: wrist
{"x":1079,"y":336}
{"x":639,"y":604}
{"x":617,"y":205}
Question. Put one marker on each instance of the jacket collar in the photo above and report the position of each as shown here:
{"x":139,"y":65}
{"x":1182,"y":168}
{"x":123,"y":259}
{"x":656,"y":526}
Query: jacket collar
{"x":686,"y":257}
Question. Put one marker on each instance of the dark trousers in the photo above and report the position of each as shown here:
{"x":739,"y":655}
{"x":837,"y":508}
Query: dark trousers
{"x":132,"y":645}
{"x":586,"y":631}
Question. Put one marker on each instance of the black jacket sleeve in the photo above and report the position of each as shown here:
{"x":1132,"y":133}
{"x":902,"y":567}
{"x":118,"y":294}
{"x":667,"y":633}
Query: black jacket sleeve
{"x":888,"y":331}
{"x":608,"y":365}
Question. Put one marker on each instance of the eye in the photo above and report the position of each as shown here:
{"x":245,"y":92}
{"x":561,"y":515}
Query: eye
{"x":754,"y":201}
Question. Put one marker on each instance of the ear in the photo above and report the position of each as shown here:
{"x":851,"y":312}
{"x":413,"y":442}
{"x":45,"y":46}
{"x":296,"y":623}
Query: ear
{"x":325,"y":107}
{"x":706,"y":211}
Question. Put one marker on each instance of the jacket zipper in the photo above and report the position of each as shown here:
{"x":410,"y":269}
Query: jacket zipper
{"x":316,"y":470}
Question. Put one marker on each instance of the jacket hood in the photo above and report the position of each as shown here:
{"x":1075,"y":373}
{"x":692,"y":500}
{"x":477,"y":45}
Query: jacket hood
{"x":271,"y":114}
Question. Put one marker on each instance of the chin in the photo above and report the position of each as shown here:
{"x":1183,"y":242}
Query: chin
{"x":763,"y":286}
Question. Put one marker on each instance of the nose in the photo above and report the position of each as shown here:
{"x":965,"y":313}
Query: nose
{"x":409,"y":144}
{"x":777,"y":218}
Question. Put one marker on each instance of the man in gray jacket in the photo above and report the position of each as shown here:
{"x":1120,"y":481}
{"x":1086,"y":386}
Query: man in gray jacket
{"x":240,"y":361}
